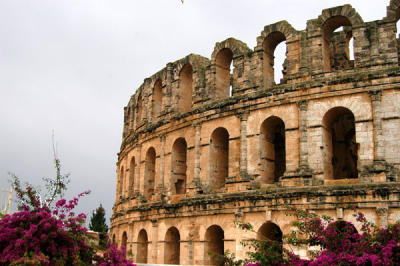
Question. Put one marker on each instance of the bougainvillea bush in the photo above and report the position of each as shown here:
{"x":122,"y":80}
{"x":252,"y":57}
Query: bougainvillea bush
{"x":40,"y":236}
{"x":48,"y":232}
{"x":55,"y":236}
{"x":333,"y":242}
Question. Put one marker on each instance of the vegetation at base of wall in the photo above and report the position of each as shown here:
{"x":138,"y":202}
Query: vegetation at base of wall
{"x":331,"y":242}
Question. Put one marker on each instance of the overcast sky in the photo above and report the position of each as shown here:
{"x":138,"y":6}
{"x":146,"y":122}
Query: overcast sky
{"x":70,"y":66}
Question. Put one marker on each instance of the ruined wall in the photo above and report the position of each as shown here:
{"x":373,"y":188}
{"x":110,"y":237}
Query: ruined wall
{"x":204,"y":144}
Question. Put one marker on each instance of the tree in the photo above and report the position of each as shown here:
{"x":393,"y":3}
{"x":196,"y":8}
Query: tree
{"x":98,"y":224}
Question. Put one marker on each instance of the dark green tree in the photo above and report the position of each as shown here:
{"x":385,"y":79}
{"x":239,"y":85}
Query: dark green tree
{"x":98,"y":224}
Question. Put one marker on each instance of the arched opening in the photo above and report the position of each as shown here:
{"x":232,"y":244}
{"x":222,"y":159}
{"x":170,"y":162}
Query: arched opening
{"x":223,"y":76}
{"x":172,"y":246}
{"x":178,"y":166}
{"x":132,"y":168}
{"x":124,"y":240}
{"x":270,"y":231}
{"x":139,"y":110}
{"x":336,"y":37}
{"x":272,"y":150}
{"x":185,"y":89}
{"x":121,"y":182}
{"x":157,"y":98}
{"x":113,"y":238}
{"x":128,"y":118}
{"x":342,"y":230}
{"x":214,"y":239}
{"x":271,"y":49}
{"x":270,"y":235}
{"x":149,"y":173}
{"x":340,"y":150}
{"x":142,"y":247}
{"x":219,"y":157}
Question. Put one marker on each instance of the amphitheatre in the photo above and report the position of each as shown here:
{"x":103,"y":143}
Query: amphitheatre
{"x":207,"y":141}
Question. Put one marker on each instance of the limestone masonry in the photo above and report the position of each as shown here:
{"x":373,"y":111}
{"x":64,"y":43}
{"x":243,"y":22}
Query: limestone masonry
{"x":205,"y":144}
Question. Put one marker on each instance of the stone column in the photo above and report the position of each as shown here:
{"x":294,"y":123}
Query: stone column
{"x":303,"y":133}
{"x":162,"y":162}
{"x":376,"y":97}
{"x":197,"y":153}
{"x":383,"y":215}
{"x":240,"y":252}
{"x":139,"y":163}
{"x":169,"y":79}
{"x":154,"y":242}
{"x":129,"y":242}
{"x":243,"y":142}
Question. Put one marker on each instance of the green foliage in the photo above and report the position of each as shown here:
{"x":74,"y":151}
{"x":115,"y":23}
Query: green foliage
{"x":98,"y":224}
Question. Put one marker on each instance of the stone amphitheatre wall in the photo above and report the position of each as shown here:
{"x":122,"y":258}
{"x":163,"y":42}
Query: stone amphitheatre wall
{"x":205,"y":143}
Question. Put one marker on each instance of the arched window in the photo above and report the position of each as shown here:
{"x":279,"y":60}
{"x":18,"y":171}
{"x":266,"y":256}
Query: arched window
{"x":149,"y":172}
{"x":340,"y":151}
{"x":172,"y":246}
{"x":270,"y":231}
{"x":223,"y":76}
{"x":139,"y":110}
{"x":132,"y":168}
{"x":124,"y":240}
{"x":271,"y":235}
{"x":121,"y":182}
{"x":272,"y":150}
{"x":214,"y":239}
{"x":335,"y":43}
{"x":219,"y":157}
{"x":185,"y":89}
{"x":178,"y":166}
{"x":157,"y":98}
{"x":142,"y":247}
{"x":270,"y":44}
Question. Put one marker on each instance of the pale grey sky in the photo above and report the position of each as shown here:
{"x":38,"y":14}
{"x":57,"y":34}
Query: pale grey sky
{"x":71,"y":66}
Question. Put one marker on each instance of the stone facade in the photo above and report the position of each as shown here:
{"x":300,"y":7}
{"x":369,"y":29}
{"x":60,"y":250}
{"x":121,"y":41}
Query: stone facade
{"x":204,"y":145}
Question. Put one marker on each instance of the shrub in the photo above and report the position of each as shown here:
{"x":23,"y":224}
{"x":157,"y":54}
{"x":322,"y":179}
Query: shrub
{"x":336,"y":242}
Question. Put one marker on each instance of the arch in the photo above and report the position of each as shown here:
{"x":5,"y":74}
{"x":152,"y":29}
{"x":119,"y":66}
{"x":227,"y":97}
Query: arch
{"x":219,"y":157}
{"x":124,"y":240}
{"x":149,"y":172}
{"x":269,"y":45}
{"x":340,"y":150}
{"x":113,"y":238}
{"x":272,"y":150}
{"x":270,"y":237}
{"x":179,"y":166}
{"x":185,"y":88}
{"x":343,"y":230}
{"x":214,"y":239}
{"x":270,"y":231}
{"x":142,"y":247}
{"x":157,"y":98}
{"x":139,"y":110}
{"x":132,"y":170}
{"x":223,"y":73}
{"x":121,"y":182}
{"x":172,"y":246}
{"x":335,"y":51}
{"x":335,"y":44}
